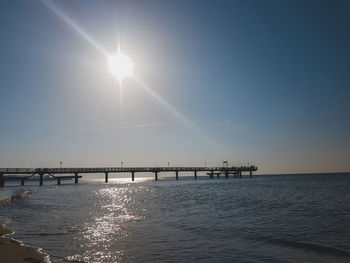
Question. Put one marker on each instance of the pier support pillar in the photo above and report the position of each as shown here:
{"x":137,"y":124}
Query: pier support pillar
{"x":240,"y":174}
{"x":58,"y":181}
{"x":218,"y":176}
{"x":212,"y":175}
{"x":132,"y":176}
{"x":41,"y":179}
{"x":106,"y":177}
{"x":226,"y":174}
{"x":251,"y":174}
{"x":195,"y":175}
{"x":22,"y":181}
{"x":2,"y":181}
{"x":76,"y":178}
{"x":177,"y":175}
{"x":156,"y":176}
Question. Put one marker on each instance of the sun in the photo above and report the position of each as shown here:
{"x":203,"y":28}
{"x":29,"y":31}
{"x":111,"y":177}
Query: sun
{"x":120,"y":66}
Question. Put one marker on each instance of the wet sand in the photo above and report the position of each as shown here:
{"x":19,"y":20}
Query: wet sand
{"x":13,"y":251}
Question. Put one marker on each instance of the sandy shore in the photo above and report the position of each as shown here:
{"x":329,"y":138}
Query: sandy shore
{"x":13,"y":251}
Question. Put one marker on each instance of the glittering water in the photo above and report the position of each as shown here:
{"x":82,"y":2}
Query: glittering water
{"x":286,"y":218}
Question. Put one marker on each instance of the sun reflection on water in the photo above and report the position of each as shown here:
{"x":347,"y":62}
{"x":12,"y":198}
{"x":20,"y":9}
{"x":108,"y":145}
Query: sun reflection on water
{"x":112,"y":211}
{"x":111,"y":180}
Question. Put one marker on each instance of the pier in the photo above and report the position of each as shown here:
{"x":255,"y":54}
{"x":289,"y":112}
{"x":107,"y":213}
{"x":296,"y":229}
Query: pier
{"x":23,"y":174}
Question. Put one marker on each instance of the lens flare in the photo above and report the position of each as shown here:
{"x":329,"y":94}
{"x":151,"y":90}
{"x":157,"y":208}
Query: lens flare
{"x":121,"y":67}
{"x":74,"y":25}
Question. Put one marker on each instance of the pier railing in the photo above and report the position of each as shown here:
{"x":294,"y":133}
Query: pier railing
{"x":10,"y":174}
{"x":121,"y":169}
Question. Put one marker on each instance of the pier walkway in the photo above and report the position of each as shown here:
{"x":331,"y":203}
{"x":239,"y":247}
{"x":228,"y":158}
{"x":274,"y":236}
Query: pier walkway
{"x":23,"y":174}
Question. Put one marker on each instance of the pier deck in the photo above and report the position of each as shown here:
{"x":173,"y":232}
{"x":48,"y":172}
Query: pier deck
{"x":22,"y":174}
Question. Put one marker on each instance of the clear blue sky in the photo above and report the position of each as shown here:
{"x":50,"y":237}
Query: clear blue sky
{"x":265,"y":82}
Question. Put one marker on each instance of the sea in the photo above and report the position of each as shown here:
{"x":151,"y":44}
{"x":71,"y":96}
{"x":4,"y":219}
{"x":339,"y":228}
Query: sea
{"x":268,"y":218}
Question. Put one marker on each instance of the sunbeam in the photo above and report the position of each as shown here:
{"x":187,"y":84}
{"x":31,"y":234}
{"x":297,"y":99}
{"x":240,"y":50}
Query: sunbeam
{"x":121,"y":66}
{"x":69,"y":21}
{"x":120,"y":82}
{"x":166,"y":105}
{"x":182,"y":119}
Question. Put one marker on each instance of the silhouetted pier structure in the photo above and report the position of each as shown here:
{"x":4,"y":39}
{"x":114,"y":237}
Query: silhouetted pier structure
{"x":23,"y":174}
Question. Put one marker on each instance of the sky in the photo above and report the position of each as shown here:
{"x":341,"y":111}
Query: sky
{"x":258,"y":82}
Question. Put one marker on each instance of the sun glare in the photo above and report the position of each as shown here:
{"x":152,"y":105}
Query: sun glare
{"x":120,"y":66}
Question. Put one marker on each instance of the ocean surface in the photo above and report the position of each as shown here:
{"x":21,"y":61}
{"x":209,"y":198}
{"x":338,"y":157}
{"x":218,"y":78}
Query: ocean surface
{"x":276,"y":218}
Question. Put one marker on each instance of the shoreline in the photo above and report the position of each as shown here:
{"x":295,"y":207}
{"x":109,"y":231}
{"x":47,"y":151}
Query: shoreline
{"x":12,"y":250}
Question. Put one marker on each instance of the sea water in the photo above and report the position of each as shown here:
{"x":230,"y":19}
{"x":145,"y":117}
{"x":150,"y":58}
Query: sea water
{"x":276,"y":218}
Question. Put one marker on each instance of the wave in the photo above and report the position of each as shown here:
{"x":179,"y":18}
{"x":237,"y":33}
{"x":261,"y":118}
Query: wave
{"x":17,"y":195}
{"x":14,"y":250}
{"x":311,"y":246}
{"x":4,"y":231}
